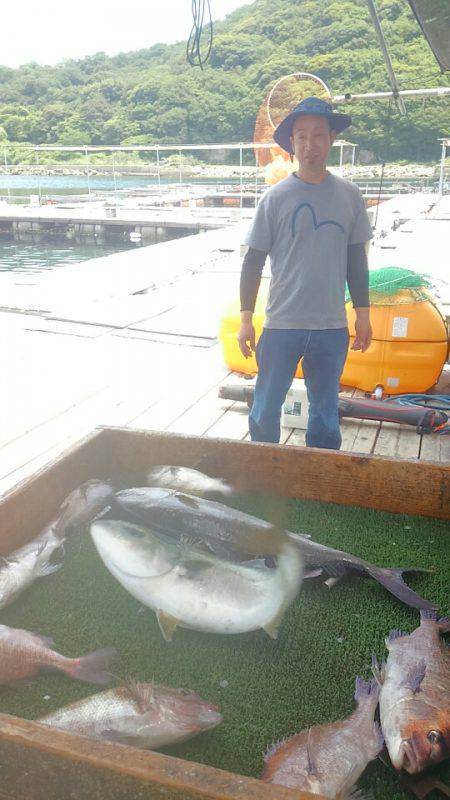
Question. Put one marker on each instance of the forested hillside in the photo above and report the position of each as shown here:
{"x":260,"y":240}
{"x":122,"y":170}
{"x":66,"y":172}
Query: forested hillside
{"x":153,"y":95}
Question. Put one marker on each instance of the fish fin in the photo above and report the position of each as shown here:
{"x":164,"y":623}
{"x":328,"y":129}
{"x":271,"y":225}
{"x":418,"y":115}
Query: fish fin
{"x":378,"y":734}
{"x":142,"y":695}
{"x":357,"y":794}
{"x":313,"y":573}
{"x":255,"y":563}
{"x":443,"y":623}
{"x":47,"y":641}
{"x":92,"y":668}
{"x":311,"y":762}
{"x":392,"y":580}
{"x":394,"y":635}
{"x":273,"y":748}
{"x":271,"y":627}
{"x":415,"y":676}
{"x":187,"y":500}
{"x":378,"y":670}
{"x":48,"y":569}
{"x":192,"y":567}
{"x":110,"y":735}
{"x":364,"y":689}
{"x":330,"y":582}
{"x":167,"y":624}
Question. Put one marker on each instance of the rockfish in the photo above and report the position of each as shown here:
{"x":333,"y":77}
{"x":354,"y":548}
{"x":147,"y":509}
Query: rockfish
{"x":22,"y":654}
{"x":234,"y":535}
{"x":141,"y":715}
{"x":415,"y":695}
{"x":328,"y":759}
{"x":195,"y":589}
{"x":185,"y":479}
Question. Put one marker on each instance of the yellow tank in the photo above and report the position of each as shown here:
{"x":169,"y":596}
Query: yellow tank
{"x":408,"y":350}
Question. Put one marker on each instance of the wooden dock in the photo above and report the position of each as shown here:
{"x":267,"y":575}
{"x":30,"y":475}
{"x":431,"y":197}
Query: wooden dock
{"x":131,"y":340}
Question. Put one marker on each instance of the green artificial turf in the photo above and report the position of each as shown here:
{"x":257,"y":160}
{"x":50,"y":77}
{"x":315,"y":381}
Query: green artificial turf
{"x":266,"y":690}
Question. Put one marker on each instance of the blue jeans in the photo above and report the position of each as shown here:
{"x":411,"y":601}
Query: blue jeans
{"x":277,"y":354}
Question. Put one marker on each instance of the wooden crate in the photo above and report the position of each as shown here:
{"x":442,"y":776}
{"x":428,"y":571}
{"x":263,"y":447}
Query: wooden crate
{"x":36,"y":764}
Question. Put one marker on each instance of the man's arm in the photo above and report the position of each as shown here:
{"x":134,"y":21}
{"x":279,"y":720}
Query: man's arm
{"x":358,"y":285}
{"x":252,"y":268}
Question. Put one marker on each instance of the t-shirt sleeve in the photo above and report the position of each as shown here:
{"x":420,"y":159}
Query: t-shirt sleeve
{"x":261,"y":234}
{"x":362,"y":229}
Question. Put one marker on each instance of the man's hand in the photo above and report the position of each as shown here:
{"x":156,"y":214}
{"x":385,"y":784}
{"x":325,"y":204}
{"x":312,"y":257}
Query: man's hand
{"x":363,"y":330}
{"x":246,"y":335}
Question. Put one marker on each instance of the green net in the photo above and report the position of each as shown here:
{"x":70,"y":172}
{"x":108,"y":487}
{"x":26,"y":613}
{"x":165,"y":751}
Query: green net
{"x":392,"y":286}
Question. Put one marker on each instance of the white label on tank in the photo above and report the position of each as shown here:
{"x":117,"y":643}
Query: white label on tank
{"x":393,"y":382}
{"x":400,"y":326}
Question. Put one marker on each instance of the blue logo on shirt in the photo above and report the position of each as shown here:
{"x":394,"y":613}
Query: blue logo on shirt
{"x":314,"y":219}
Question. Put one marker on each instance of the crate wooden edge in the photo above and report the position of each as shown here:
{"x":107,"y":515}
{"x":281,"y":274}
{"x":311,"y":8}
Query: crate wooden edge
{"x":106,"y":770}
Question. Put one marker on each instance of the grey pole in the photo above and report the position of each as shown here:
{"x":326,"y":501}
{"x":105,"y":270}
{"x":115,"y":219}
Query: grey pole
{"x":387,"y":58}
{"x":7,"y":173}
{"x":442,"y":169}
{"x":87,"y":172}
{"x":240,"y":170}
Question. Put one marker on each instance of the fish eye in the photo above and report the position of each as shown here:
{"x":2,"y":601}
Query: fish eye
{"x":434,"y":737}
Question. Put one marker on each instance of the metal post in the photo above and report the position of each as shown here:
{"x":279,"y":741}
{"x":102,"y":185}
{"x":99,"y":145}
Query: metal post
{"x":256,"y":180}
{"x":353,"y":155}
{"x":38,"y":177}
{"x":240,"y":172}
{"x":7,"y":175}
{"x":442,"y":169}
{"x":87,"y":172}
{"x":159,"y":175}
{"x":114,"y":174}
{"x":179,"y":162}
{"x":387,"y":58}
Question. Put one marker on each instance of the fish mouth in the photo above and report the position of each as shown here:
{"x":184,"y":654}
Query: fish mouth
{"x":209,"y":718}
{"x":409,"y":758}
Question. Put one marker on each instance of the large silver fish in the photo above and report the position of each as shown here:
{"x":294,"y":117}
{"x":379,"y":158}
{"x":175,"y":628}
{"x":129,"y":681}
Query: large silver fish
{"x":328,"y":759}
{"x":142,"y":715}
{"x":186,"y":479}
{"x":415,"y":695}
{"x":19,"y":569}
{"x":23,"y":653}
{"x":195,"y":589}
{"x":235,"y":535}
{"x":228,"y":533}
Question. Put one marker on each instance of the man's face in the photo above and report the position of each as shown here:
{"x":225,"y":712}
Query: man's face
{"x":311,"y":140}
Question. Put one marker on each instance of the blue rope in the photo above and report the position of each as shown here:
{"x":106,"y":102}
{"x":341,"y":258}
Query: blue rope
{"x":438,"y":402}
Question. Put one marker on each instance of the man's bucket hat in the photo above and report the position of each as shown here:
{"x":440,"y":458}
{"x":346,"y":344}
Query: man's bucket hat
{"x":310,"y":105}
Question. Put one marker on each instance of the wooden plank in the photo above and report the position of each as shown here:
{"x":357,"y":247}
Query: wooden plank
{"x":397,"y":440}
{"x":196,"y":420}
{"x":297,"y":438}
{"x":435,"y":447}
{"x":330,"y":476}
{"x":233,"y":424}
{"x":55,"y":764}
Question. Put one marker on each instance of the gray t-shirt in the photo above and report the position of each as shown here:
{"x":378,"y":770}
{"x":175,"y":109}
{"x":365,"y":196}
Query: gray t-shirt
{"x":306,"y":229}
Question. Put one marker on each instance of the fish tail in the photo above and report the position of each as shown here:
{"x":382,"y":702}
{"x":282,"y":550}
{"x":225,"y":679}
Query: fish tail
{"x":392,"y":580}
{"x":92,"y":668}
{"x":366,"y":689}
{"x":443,"y":623}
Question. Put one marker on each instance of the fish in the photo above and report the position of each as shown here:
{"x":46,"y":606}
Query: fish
{"x":415,"y":695}
{"x":328,"y":759}
{"x":193,"y":589}
{"x":222,"y":530}
{"x":82,"y":505}
{"x":186,"y":479}
{"x":23,"y":654}
{"x":235,"y":535}
{"x":337,"y":564}
{"x":145,"y":715}
{"x":22,"y":567}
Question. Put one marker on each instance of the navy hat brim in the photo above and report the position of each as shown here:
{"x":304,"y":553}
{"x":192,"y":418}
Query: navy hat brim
{"x":282,"y":134}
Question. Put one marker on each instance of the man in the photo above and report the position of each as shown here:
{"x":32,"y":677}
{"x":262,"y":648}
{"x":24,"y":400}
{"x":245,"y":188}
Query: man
{"x":314,"y":226}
